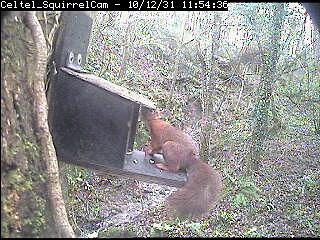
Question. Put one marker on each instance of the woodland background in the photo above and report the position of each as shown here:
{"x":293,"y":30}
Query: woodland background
{"x":244,"y":83}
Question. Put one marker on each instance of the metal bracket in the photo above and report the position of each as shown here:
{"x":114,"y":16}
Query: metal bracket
{"x":137,"y":166}
{"x":72,"y":40}
{"x":143,"y":166}
{"x":74,"y":62}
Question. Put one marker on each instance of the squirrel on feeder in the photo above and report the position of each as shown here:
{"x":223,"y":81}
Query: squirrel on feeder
{"x":181,"y":152}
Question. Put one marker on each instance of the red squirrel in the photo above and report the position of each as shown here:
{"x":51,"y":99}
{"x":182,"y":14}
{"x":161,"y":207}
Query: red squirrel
{"x":181,"y":152}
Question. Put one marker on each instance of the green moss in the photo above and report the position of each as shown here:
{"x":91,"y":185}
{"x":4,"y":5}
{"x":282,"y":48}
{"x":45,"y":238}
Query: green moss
{"x":118,"y":232}
{"x":21,"y":186}
{"x":36,"y":222}
{"x":29,"y":146}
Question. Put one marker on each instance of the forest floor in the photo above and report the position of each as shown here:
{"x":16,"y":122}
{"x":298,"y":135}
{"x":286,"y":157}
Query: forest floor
{"x":283,"y":200}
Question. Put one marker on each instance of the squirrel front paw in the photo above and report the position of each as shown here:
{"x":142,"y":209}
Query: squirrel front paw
{"x":147,"y":150}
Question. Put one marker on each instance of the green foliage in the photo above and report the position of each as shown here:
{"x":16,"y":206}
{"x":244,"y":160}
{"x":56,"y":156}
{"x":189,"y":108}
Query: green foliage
{"x":226,"y":216}
{"x":26,"y":186}
{"x":76,"y":176}
{"x":308,"y":185}
{"x":243,"y":190}
{"x":252,"y":232}
{"x":170,"y":228}
{"x":142,"y":136}
{"x":38,"y":220}
{"x":300,"y":214}
{"x":116,"y":232}
{"x":161,"y":228}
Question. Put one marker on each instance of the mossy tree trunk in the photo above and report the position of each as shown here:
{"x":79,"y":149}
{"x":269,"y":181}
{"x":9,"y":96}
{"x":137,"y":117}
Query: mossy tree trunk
{"x":269,"y":39}
{"x":29,"y":177}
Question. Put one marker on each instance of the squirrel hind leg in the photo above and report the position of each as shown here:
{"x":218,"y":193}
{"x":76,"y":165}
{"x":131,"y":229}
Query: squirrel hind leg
{"x":172,"y":154}
{"x":163,"y":166}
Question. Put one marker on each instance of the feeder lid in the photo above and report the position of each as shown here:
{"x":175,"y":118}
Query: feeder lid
{"x":111,"y":87}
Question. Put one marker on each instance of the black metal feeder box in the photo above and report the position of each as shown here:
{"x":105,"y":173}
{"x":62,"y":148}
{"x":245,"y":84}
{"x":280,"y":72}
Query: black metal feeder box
{"x":93,"y":122}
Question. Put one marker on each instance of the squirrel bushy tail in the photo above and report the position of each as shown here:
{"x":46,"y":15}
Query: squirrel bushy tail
{"x":200,"y":192}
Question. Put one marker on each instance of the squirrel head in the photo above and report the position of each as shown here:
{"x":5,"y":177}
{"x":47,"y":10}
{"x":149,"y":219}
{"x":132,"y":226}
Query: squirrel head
{"x":150,"y":114}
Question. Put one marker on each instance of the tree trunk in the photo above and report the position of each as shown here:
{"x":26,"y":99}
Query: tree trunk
{"x":270,"y":39}
{"x":125,"y":51}
{"x":29,"y":171}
